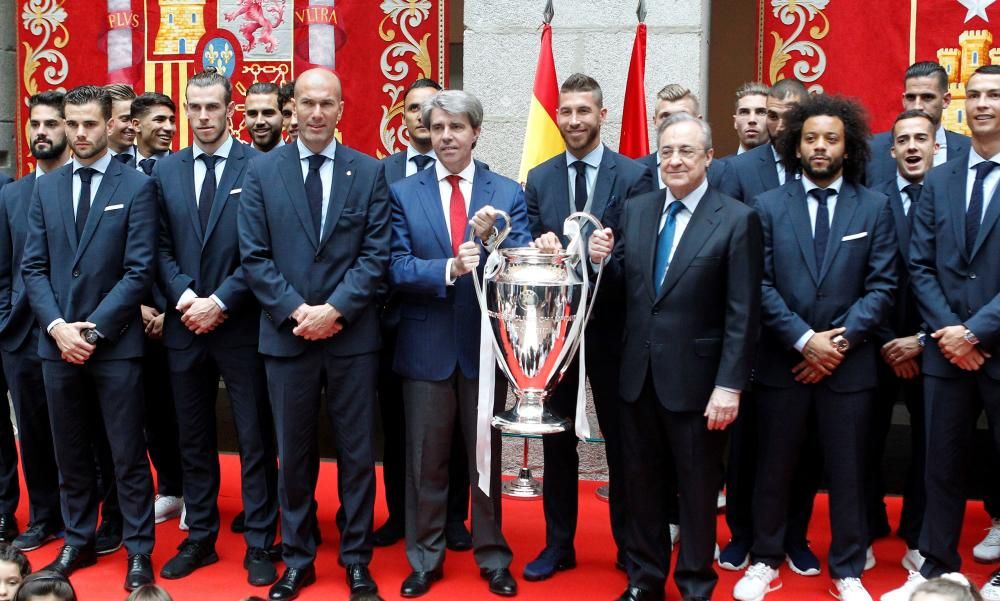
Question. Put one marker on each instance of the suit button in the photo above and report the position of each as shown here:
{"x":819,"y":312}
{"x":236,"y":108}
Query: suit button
{"x":317,"y":258}
{"x":820,"y":295}
{"x":647,"y":344}
{"x":76,"y":273}
{"x":972,"y":275}
{"x":656,"y":311}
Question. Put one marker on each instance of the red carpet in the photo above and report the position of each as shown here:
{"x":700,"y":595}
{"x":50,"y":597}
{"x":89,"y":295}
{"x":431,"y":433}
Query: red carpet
{"x":594,"y":578}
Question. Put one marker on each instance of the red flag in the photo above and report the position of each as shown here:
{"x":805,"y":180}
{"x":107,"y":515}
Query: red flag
{"x":634,"y":141}
{"x":542,"y":140}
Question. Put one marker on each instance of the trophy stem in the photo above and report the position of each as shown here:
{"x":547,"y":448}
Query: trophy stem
{"x":525,"y":487}
{"x":529,"y":417}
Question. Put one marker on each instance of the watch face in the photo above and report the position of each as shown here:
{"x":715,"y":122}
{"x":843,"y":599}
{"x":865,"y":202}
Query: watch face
{"x":90,"y":336}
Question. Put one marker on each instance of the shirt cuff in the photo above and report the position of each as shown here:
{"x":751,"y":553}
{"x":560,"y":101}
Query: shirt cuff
{"x":186,"y":296}
{"x":448,"y":280}
{"x":731,"y":390}
{"x":55,"y":322}
{"x":219,"y":302}
{"x":803,"y":340}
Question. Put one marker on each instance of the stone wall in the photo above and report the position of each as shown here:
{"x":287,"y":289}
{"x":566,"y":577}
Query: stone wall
{"x":8,"y":86}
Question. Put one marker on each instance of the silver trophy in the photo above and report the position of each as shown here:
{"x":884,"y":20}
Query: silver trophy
{"x":533,"y":300}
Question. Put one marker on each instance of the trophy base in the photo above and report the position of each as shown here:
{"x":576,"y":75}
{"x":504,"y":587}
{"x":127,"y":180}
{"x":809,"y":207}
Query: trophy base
{"x":512,"y":422}
{"x":525,"y":486}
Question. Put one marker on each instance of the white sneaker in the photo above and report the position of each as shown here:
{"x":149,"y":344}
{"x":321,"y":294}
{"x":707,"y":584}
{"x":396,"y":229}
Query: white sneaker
{"x":988,"y":549}
{"x":904,"y":592}
{"x":759,"y":580}
{"x":166,"y":507}
{"x":675,"y":534}
{"x":183,"y":523}
{"x":870,"y":558}
{"x":849,"y":589}
{"x":991,"y":590}
{"x":913,"y":560}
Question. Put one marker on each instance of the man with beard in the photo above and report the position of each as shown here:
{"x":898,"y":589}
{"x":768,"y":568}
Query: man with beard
{"x":587,"y":177}
{"x":210,"y":329}
{"x":829,"y":280}
{"x":262,"y":116}
{"x":750,"y":118}
{"x":121,"y":135}
{"x":19,"y":337}
{"x":88,"y":264}
{"x":289,"y":118}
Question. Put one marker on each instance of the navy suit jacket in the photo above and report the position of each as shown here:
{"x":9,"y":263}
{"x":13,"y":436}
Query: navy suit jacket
{"x":102,"y":277}
{"x":16,"y":318}
{"x":882,"y":167}
{"x":395,"y":167}
{"x":207,"y":262}
{"x":854,"y":288}
{"x":439,"y":325}
{"x":952,"y":286}
{"x":904,"y":319}
{"x":4,"y":179}
{"x":751,"y":174}
{"x":716,"y":170}
{"x":286,"y":266}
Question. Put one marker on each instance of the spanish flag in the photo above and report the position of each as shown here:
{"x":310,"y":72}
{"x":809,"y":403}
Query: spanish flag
{"x":542,"y":140}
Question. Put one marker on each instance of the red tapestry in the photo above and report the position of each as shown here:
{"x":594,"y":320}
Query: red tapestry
{"x":861,"y":48}
{"x":377,"y":49}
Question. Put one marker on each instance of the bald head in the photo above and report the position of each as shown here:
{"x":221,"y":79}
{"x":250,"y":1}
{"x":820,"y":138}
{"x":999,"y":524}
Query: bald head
{"x":318,"y":107}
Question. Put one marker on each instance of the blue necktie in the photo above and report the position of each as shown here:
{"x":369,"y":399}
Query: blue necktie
{"x":664,"y":243}
{"x":207,"y":196}
{"x":83,"y":203}
{"x":421,"y":161}
{"x":580,"y":185}
{"x":314,"y":192}
{"x":821,"y":233}
{"x":974,"y":214}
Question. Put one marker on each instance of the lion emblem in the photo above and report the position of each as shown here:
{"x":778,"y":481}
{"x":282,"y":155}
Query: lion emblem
{"x":257,"y":26}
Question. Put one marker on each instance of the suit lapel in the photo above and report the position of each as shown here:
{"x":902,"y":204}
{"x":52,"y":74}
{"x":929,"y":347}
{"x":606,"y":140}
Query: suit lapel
{"x":187,"y":185}
{"x":989,"y":220}
{"x":798,"y":212}
{"x":843,"y":214}
{"x":956,"y":206}
{"x":768,"y":170}
{"x":235,"y":165}
{"x":957,"y":144}
{"x":343,"y":179}
{"x":900,"y":217}
{"x":648,"y":227}
{"x":429,"y":198}
{"x":558,"y":211}
{"x":295,"y":186}
{"x":482,"y":194}
{"x":66,"y":207}
{"x":699,"y":229}
{"x":605,"y":183}
{"x":109,"y":183}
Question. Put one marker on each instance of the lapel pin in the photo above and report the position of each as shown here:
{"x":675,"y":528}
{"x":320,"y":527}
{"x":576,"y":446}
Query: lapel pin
{"x":348,"y":174}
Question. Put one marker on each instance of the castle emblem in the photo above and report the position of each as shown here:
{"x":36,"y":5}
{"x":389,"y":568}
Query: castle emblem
{"x":975,"y":50}
{"x":182,"y":23}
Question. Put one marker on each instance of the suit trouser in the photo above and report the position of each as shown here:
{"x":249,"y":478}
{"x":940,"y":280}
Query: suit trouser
{"x":742,"y":472}
{"x":952,"y":407}
{"x":194,"y":374}
{"x":651,"y":436}
{"x":390,"y":399}
{"x":161,"y":421}
{"x":10,"y":487}
{"x":111,"y":389}
{"x":890,"y":389}
{"x":295,"y":385}
{"x":842,"y":419}
{"x":23,"y":370}
{"x":433,"y":411}
{"x":560,"y":494}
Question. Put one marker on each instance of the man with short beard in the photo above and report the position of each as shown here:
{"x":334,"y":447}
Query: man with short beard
{"x":121,"y":134}
{"x":262,"y":116}
{"x":19,"y":337}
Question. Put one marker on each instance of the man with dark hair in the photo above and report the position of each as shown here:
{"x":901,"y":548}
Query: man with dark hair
{"x":289,"y":118}
{"x":902,"y":341}
{"x":956,"y":280}
{"x":829,"y":280}
{"x":262,"y":116}
{"x":121,"y":136}
{"x":750,"y":118}
{"x":155,"y":122}
{"x":926,"y":89}
{"x":88,"y":264}
{"x":587,"y":177}
{"x":19,"y":341}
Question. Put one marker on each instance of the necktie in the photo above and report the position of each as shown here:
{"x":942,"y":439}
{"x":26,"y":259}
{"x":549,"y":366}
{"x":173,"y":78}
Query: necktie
{"x":664,"y":243}
{"x":314,"y":191}
{"x":974,"y":214}
{"x":146,"y":165}
{"x":458,"y":213}
{"x":580,"y":185}
{"x":207,"y":196}
{"x":83,"y":202}
{"x":821,"y":233}
{"x":913,"y":191}
{"x":422,"y":161}
{"x":123,"y":157}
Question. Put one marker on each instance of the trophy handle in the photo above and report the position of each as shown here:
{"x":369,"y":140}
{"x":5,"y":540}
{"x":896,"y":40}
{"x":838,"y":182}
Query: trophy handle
{"x":490,"y":269}
{"x":572,"y":247}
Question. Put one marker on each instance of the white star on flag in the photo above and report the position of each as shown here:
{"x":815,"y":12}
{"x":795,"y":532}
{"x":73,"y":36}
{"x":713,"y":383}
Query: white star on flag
{"x":977,"y":8}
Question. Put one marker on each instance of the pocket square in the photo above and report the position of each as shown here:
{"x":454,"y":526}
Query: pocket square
{"x":237,"y":191}
{"x":854,"y":236}
{"x":113,"y":207}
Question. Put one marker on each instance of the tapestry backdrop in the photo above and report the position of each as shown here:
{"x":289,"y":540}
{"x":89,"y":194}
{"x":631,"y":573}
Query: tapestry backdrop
{"x":861,"y":48}
{"x":377,"y":48}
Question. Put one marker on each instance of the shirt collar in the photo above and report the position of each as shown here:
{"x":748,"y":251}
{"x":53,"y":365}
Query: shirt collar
{"x":328,"y":152}
{"x":592,"y":158}
{"x":131,"y":150}
{"x":467,"y":174}
{"x":690,"y":201}
{"x":157,"y":156}
{"x":221,"y":151}
{"x":902,"y":182}
{"x":941,"y":137}
{"x":809,"y":185}
{"x":774,"y":151}
{"x":740,"y":150}
{"x":100,"y":165}
{"x":975,"y":158}
{"x":413,"y":152}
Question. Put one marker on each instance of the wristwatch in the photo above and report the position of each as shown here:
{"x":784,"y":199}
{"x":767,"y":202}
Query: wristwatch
{"x":90,"y":335}
{"x":841,"y":343}
{"x":922,"y":339}
{"x":970,"y":337}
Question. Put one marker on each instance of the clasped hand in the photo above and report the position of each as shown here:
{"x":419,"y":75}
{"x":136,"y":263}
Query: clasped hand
{"x":201,"y":315}
{"x":316,"y":322}
{"x":821,"y":357}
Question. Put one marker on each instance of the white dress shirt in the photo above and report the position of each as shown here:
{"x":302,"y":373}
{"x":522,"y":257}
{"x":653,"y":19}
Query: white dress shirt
{"x":902,"y":182}
{"x":813,"y":205}
{"x":683,"y":217}
{"x":779,"y":166}
{"x":941,"y":138}
{"x":444,"y":188}
{"x":411,"y":167}
{"x":325,"y":173}
{"x":593,"y":162}
{"x":989,"y":184}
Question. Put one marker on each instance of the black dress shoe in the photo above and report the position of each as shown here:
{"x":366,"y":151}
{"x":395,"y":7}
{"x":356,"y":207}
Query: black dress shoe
{"x":259,"y":567}
{"x":239,"y":524}
{"x":36,"y":535}
{"x":501,"y":581}
{"x":71,"y":559}
{"x":418,"y":583}
{"x":140,"y":571}
{"x":389,"y":534}
{"x":635,"y":593}
{"x":191,"y":555}
{"x":457,"y":537}
{"x":359,"y":579}
{"x":8,"y":527}
{"x":291,"y":582}
{"x":109,"y":537}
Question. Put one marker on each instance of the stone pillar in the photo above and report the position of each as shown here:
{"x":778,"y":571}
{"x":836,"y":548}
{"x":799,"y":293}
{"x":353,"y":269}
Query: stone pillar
{"x":590,"y":36}
{"x":8,"y":86}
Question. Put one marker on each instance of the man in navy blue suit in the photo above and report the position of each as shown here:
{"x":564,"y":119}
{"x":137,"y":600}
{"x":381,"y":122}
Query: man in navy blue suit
{"x":211,"y":328}
{"x":953,"y":266}
{"x":587,"y":177}
{"x":88,"y":264}
{"x":829,"y":280}
{"x":314,"y":239}
{"x":902,"y":338}
{"x":926,"y":89}
{"x":10,"y":487}
{"x":437,"y":351}
{"x":19,"y":330}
